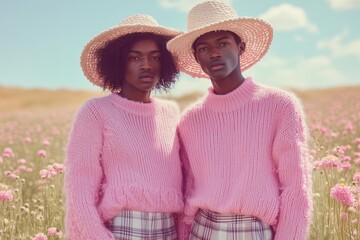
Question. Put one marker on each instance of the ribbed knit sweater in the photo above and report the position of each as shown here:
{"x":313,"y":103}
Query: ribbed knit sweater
{"x":121,"y":155}
{"x":245,"y":153}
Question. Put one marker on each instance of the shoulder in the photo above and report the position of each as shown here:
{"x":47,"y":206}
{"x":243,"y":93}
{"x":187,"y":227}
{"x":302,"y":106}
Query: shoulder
{"x":92,"y":107}
{"x":280,"y":97}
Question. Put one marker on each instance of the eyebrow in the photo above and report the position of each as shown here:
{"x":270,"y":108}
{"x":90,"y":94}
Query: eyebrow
{"x":139,"y":52}
{"x":217,"y":40}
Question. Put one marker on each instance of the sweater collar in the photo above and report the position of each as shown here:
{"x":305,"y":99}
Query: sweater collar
{"x":134,"y":107}
{"x":232,"y":100}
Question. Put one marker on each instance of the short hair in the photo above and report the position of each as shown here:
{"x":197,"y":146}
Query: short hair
{"x":236,"y":37}
{"x":113,"y":60}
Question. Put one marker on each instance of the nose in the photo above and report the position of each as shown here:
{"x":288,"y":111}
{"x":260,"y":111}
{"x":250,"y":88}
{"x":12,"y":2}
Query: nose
{"x":145,"y":65}
{"x":214,"y":53}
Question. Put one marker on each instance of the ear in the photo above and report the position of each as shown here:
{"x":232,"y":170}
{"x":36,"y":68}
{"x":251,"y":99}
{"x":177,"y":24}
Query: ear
{"x":241,"y":48}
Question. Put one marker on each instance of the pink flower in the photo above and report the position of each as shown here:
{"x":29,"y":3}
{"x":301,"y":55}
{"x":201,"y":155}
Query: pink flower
{"x":349,"y":127}
{"x":348,"y":147}
{"x":6,"y":196}
{"x":51,"y":170}
{"x":339,"y":151}
{"x":11,"y":175}
{"x":345,"y":166}
{"x":21,"y":161}
{"x":328,"y":162}
{"x":42,"y":153}
{"x":27,"y":139}
{"x":46,"y":142}
{"x":54,"y":232}
{"x":357,"y":161}
{"x":346,"y":159}
{"x":40,"y":236}
{"x":357,"y":140}
{"x":59,"y":168}
{"x":342,"y":194}
{"x":357,"y":178}
{"x":22,"y":168}
{"x":45,"y":174}
{"x":8,"y":152}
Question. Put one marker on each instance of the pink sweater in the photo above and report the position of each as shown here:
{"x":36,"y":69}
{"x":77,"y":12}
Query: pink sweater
{"x":246,"y":153}
{"x":121,"y":155}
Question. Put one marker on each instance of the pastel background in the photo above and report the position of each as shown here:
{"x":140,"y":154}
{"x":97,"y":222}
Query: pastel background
{"x":316,"y":43}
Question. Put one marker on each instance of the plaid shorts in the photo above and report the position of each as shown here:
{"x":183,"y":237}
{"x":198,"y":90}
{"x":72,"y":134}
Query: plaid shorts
{"x":209,"y":225}
{"x":133,"y":225}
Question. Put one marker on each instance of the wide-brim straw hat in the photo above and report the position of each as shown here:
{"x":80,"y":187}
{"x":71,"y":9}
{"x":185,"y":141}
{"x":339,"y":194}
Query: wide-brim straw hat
{"x":138,"y":23}
{"x":211,"y":16}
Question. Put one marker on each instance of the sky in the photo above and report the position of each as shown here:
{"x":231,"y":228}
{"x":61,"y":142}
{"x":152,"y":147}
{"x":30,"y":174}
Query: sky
{"x":316,"y":43}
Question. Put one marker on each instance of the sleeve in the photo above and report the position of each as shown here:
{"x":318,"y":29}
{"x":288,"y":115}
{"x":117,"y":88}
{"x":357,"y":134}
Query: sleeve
{"x":83,"y":177}
{"x":183,"y":222}
{"x":290,"y":152}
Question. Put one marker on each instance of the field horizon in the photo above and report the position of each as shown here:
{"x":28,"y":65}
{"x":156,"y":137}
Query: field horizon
{"x":17,"y":98}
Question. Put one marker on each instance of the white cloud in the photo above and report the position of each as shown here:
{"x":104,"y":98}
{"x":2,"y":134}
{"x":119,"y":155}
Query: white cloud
{"x":299,"y":38}
{"x":318,"y":71}
{"x":271,"y":61}
{"x":344,"y":4}
{"x":287,"y":17}
{"x":298,"y":73}
{"x":180,"y":5}
{"x":317,"y":62}
{"x":339,"y":48}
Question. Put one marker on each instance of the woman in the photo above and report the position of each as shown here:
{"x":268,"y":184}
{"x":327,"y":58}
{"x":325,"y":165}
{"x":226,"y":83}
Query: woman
{"x":123,"y":173}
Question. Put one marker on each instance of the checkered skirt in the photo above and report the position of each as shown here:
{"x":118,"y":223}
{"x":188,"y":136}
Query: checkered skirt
{"x":209,"y":225}
{"x":136,"y":225}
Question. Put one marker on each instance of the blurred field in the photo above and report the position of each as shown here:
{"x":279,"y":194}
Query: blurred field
{"x":15,"y":99}
{"x":34,"y":128}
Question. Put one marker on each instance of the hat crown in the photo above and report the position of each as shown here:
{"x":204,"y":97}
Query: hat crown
{"x":139,"y":19}
{"x":210,"y":12}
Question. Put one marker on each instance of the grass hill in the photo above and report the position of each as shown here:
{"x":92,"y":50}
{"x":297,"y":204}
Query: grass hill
{"x":14,"y":99}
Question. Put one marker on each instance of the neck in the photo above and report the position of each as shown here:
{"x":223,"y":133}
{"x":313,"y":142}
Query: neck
{"x":229,"y":83}
{"x":143,"y":97}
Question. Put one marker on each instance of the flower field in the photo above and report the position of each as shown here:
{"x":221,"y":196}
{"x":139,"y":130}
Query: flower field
{"x":32,"y":152}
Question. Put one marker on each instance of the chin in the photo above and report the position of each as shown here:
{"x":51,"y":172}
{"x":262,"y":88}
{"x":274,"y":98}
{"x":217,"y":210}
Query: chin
{"x":219,"y":76}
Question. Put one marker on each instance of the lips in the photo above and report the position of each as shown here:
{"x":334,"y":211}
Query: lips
{"x":214,"y":66}
{"x":147,"y":77}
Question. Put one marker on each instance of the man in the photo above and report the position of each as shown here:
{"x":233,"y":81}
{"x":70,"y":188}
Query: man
{"x":244,"y":145}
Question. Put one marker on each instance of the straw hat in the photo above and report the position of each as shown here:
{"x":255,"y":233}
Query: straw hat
{"x":214,"y":16}
{"x":134,"y":24}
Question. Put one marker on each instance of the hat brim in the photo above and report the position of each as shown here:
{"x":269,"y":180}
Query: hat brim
{"x":89,"y":58}
{"x":256,"y":34}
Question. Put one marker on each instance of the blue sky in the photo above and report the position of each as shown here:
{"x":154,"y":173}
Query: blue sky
{"x":316,"y":42}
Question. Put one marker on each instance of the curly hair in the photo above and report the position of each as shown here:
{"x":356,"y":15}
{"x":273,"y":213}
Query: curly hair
{"x":113,"y":59}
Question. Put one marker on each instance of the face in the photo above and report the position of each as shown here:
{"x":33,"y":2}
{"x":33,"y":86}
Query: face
{"x":218,"y":54}
{"x":143,"y":68}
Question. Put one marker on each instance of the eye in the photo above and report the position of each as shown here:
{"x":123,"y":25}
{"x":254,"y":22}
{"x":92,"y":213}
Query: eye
{"x":224,"y":44}
{"x":155,"y":58}
{"x":203,"y":49}
{"x":134,"y":58}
